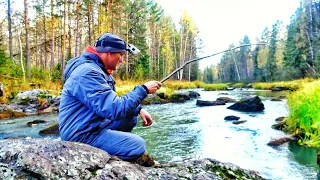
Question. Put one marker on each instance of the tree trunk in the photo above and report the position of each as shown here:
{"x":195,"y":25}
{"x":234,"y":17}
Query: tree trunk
{"x":175,"y":53}
{"x":52,"y":39}
{"x":158,"y":58}
{"x":184,"y":54}
{"x":190,"y":57}
{"x":127,"y":54}
{"x":180,"y":54}
{"x":44,"y":36}
{"x":77,"y":29}
{"x":27,"y":37}
{"x":37,"y":47}
{"x":9,"y":29}
{"x":69,"y":31}
{"x":235,"y":65}
{"x":310,"y":36}
{"x":100,"y":18}
{"x":63,"y":39}
{"x":89,"y":23}
{"x":21,"y":61}
{"x":111,"y":20}
{"x":80,"y":35}
{"x":93,"y":32}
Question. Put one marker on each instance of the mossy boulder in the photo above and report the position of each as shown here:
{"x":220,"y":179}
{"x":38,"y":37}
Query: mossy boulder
{"x":50,"y":130}
{"x":252,"y":104}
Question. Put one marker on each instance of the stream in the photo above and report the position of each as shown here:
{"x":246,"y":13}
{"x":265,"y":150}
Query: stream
{"x":183,"y":131}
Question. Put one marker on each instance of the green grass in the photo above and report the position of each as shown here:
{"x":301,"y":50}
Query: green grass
{"x":215,"y":87}
{"x":238,"y":85}
{"x":292,"y":85}
{"x":304,"y":118}
{"x":168,"y":88}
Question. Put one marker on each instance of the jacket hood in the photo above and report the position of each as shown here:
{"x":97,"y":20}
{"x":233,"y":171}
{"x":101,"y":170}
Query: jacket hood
{"x":89,"y":55}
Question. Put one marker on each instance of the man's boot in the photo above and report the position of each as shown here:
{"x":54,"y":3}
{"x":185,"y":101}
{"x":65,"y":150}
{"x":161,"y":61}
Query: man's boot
{"x":146,"y":160}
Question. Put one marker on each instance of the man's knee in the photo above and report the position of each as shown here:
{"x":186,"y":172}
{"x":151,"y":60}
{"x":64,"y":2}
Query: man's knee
{"x":138,"y":148}
{"x":125,"y":145}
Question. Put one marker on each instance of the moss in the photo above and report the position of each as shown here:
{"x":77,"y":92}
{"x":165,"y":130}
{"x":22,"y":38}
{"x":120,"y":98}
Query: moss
{"x":226,"y":173}
{"x":25,"y":100}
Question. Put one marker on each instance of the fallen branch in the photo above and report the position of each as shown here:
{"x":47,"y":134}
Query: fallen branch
{"x":197,"y":59}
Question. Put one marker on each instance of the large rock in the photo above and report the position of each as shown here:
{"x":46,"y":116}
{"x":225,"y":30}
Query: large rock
{"x":280,"y":88}
{"x":226,"y":100}
{"x":253,"y":104}
{"x":209,"y":103}
{"x":50,"y":130}
{"x":281,"y":140}
{"x":54,"y":159}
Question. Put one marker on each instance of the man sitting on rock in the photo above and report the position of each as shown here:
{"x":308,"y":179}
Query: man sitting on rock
{"x":90,"y":110}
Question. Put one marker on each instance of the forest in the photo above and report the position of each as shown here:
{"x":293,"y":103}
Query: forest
{"x":291,"y":52}
{"x":38,"y":40}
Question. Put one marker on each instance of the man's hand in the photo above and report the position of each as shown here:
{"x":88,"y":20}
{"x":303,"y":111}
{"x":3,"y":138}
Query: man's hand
{"x":146,"y":118}
{"x":153,"y":86}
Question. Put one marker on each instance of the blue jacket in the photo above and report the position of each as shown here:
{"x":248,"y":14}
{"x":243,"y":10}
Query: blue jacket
{"x":89,"y":101}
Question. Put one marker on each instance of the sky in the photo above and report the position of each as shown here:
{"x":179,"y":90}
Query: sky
{"x":222,"y":22}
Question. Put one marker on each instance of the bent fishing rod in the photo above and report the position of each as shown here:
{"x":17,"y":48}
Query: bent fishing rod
{"x":197,"y":59}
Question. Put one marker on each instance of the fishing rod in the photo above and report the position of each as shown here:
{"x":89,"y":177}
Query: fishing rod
{"x":197,"y":59}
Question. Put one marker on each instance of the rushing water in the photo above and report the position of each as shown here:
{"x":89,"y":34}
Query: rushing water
{"x":184,"y":131}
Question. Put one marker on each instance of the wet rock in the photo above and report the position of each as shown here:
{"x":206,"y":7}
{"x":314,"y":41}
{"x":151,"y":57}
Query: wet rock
{"x":279,"y":141}
{"x":209,"y":103}
{"x":226,"y":100}
{"x":35,"y":122}
{"x":17,"y":114}
{"x":280,"y":88}
{"x":230,"y":88}
{"x":179,"y":97}
{"x":223,"y":94}
{"x":16,"y":137}
{"x":275,"y":99}
{"x":151,"y":99}
{"x":281,"y":123}
{"x":5,"y":114}
{"x":55,"y":102}
{"x":193,"y":94}
{"x":318,"y":159}
{"x":280,"y":119}
{"x":45,"y":111}
{"x":51,"y":130}
{"x":161,"y":95}
{"x":282,"y":97}
{"x":231,"y":118}
{"x":239,"y":122}
{"x":253,"y":104}
{"x":279,"y":126}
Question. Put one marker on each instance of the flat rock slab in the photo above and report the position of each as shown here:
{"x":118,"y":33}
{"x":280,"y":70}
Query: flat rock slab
{"x":54,"y":159}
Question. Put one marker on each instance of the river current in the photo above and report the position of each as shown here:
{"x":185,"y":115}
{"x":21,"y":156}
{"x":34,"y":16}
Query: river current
{"x":183,"y":131}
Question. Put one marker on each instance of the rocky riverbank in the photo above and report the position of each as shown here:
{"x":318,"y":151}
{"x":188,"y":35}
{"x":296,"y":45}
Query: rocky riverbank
{"x":39,"y":102}
{"x":54,"y":159}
